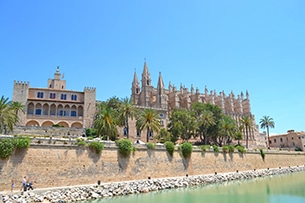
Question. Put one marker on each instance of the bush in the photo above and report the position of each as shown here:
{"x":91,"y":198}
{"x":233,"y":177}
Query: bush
{"x":262,"y":154}
{"x":215,"y":148}
{"x":231,"y":148}
{"x":125,"y":147}
{"x":204,"y":147}
{"x":151,"y":145}
{"x":22,"y":142}
{"x":240,"y":149}
{"x":298,"y":149}
{"x":186,"y":149}
{"x":96,"y":146}
{"x":228,"y":148}
{"x":170,"y":147}
{"x":225,"y":149}
{"x":81,"y":143}
{"x":6,"y":148}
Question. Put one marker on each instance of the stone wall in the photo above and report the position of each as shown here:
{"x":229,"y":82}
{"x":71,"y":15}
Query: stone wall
{"x":67,"y":165}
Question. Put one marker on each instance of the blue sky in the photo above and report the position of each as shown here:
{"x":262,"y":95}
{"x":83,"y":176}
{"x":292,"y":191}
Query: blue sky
{"x":225,"y":45}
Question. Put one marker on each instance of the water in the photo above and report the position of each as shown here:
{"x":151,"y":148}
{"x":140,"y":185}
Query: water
{"x":277,"y":189}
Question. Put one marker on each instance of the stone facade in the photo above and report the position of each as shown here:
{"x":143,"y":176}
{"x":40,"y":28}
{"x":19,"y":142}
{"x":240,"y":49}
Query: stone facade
{"x":67,"y":165}
{"x":144,"y":95}
{"x":291,"y":140}
{"x":55,"y":104}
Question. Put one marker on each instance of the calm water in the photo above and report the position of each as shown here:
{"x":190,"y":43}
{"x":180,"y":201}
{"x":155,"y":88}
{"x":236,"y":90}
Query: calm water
{"x":277,"y":189}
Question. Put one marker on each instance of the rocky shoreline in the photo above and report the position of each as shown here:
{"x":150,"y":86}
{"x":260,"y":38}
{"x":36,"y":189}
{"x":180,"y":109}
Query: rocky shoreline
{"x":91,"y":192}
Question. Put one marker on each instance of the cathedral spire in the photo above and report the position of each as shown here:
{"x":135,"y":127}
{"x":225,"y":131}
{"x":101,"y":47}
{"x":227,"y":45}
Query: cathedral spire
{"x":160,"y":81}
{"x":135,"y":79}
{"x":146,"y":81}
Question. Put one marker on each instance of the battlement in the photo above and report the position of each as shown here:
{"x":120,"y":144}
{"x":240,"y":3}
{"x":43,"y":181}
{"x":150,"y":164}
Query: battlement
{"x":21,"y":83}
{"x":89,"y":89}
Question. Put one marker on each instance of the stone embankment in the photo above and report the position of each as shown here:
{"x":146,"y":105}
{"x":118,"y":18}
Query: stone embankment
{"x":90,"y":192}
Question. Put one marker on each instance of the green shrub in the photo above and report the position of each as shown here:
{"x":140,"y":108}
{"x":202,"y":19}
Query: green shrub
{"x":231,"y":148}
{"x":225,"y":149}
{"x":186,"y":149}
{"x":228,"y":148}
{"x":22,"y":142}
{"x":215,"y":148}
{"x":151,"y":145}
{"x":204,"y":147}
{"x":6,"y":148}
{"x":81,"y":143}
{"x":298,"y":149}
{"x":96,"y":146}
{"x":79,"y":139}
{"x":262,"y":154}
{"x":240,"y":149}
{"x":125,"y":147}
{"x":170,"y":147}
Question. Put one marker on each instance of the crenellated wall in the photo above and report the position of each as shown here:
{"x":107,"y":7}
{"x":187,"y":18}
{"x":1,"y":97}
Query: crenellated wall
{"x":63,"y":165}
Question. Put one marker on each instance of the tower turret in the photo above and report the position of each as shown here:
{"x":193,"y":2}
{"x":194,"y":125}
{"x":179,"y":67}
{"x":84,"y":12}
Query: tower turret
{"x":146,"y":87}
{"x":135,"y":89}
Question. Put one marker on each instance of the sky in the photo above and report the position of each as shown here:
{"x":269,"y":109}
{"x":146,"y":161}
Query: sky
{"x":255,"y":46}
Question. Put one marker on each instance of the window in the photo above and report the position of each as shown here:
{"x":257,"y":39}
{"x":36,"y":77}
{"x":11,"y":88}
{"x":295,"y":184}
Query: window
{"x":38,"y":112}
{"x":73,"y":97}
{"x":63,"y":96}
{"x":73,"y":113}
{"x":274,"y":140}
{"x":52,"y":95}
{"x":138,"y":133}
{"x":40,"y":94}
{"x":292,"y":138}
{"x":281,"y":139}
{"x":62,"y":113}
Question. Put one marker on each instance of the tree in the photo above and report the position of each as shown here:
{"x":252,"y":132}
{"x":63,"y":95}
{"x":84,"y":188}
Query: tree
{"x":267,"y":122}
{"x":105,"y":122}
{"x":8,"y":116}
{"x":149,"y":120}
{"x":228,"y":130}
{"x":205,"y":120}
{"x":127,"y":110}
{"x":246,"y":122}
{"x":17,"y":107}
{"x":165,"y":136}
{"x":182,"y":124}
{"x":208,"y":117}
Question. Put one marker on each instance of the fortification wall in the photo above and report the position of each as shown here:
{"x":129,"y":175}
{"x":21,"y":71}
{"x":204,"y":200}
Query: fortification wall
{"x":51,"y":165}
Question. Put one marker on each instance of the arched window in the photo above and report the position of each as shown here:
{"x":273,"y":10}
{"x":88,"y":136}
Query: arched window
{"x":39,"y":94}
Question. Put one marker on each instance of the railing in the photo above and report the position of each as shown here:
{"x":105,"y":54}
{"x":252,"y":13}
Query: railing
{"x":31,"y":116}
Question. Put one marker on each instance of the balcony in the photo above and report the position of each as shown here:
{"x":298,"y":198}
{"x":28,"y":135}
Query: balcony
{"x":54,"y":117}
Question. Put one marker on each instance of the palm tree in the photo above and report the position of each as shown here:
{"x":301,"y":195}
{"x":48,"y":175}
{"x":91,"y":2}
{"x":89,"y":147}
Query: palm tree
{"x":127,"y":110}
{"x":105,"y":122}
{"x":267,"y":122}
{"x":228,"y":129}
{"x":17,"y":107}
{"x":149,"y":120}
{"x":8,"y":116}
{"x":205,"y":120}
{"x":246,"y":122}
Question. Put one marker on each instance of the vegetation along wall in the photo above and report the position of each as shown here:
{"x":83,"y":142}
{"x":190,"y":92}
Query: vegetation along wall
{"x":51,"y":165}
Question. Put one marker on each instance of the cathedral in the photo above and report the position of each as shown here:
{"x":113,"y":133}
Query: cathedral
{"x":144,"y":95}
